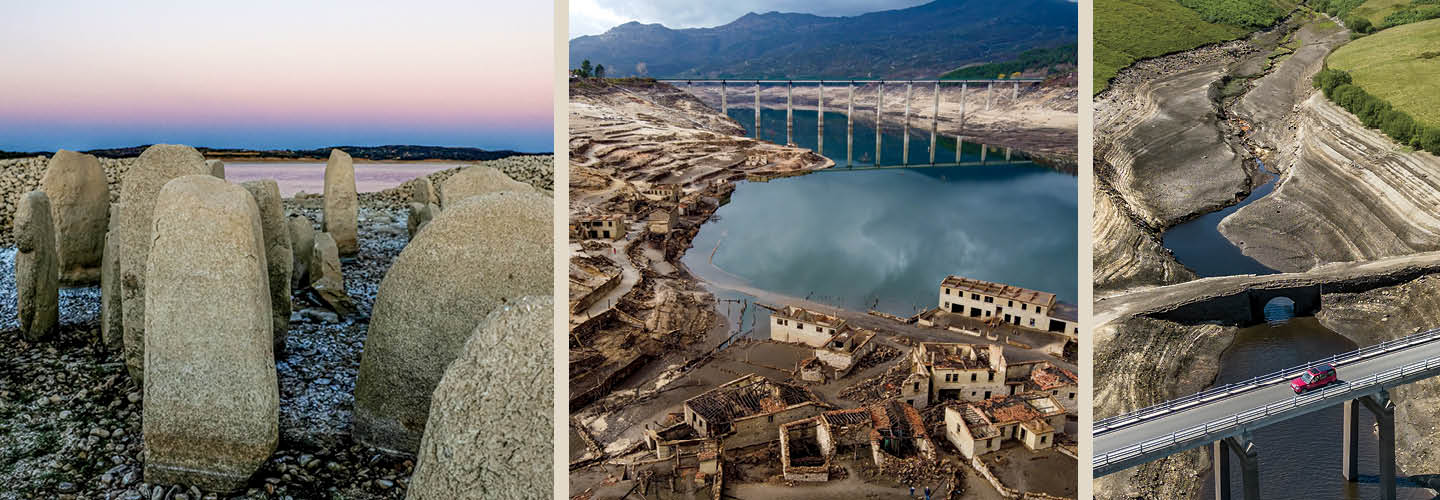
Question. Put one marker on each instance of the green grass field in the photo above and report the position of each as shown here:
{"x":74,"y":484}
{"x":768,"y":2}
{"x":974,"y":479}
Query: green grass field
{"x":1130,"y":30}
{"x":1376,"y":10}
{"x":1400,"y":65}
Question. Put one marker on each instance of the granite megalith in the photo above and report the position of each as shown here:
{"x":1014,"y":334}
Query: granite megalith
{"x":422,"y":191}
{"x":211,"y":413}
{"x":278,"y":254}
{"x":217,"y":168}
{"x":156,"y":166}
{"x":497,"y":395}
{"x":420,"y":215}
{"x":477,"y":180}
{"x":327,"y":281}
{"x":37,"y":267}
{"x":302,"y":244}
{"x":112,"y":329}
{"x":477,"y":255}
{"x":342,"y":204}
{"x":80,"y":210}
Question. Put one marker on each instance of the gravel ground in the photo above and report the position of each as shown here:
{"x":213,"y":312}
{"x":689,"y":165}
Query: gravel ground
{"x":70,"y":416}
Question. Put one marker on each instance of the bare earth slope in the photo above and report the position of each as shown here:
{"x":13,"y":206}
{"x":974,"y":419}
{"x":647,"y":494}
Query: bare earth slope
{"x":1347,"y":194}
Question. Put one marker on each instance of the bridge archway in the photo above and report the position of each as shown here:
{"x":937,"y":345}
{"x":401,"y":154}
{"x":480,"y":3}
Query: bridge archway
{"x":1279,"y":310}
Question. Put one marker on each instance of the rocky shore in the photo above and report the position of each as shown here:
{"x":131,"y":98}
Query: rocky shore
{"x":71,"y":425}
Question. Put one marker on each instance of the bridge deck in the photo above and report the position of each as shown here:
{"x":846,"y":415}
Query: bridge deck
{"x":1156,"y":432}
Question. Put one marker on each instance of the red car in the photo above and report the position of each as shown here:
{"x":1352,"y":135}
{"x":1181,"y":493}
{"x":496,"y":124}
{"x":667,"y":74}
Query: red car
{"x":1316,"y":377}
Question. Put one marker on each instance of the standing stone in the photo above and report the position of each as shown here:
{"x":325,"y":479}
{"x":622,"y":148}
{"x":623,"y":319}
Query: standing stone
{"x":37,"y":268}
{"x":477,"y":255}
{"x":497,"y":395}
{"x":158,"y":165}
{"x":217,"y":168}
{"x":278,"y":253}
{"x":422,"y":191}
{"x":328,"y":282}
{"x":211,"y":398}
{"x":342,"y":204}
{"x":80,"y":209}
{"x":420,"y":215}
{"x":302,"y":243}
{"x":471,"y":181}
{"x":112,"y":329}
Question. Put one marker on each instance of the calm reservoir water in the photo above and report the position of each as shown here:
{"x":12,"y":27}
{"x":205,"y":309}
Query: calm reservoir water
{"x":1300,"y":460}
{"x":310,"y":177}
{"x":884,"y":239}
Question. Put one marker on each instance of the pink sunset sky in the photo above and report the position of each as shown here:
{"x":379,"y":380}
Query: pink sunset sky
{"x":274,"y":74}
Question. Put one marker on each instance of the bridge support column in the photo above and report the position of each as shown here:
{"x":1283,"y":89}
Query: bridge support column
{"x":959,"y":146}
{"x":789,"y":115}
{"x":983,"y":149}
{"x":905,"y":145}
{"x":1384,"y":411}
{"x":935,"y":124}
{"x":1350,"y":442}
{"x":879,"y":125}
{"x":820,"y":119}
{"x":1007,"y":155}
{"x":724,"y":110}
{"x":850,"y":126}
{"x":1015,"y":96}
{"x":989,"y":90}
{"x":1220,"y":462}
{"x":963,"y":88}
{"x":757,"y":110}
{"x":1249,"y":457}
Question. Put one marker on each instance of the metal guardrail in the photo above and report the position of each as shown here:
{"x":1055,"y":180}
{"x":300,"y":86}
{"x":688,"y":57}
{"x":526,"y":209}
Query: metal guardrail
{"x":1113,"y":423}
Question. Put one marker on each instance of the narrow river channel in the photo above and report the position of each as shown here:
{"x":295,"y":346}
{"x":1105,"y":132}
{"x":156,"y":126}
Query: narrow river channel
{"x":1198,"y":244}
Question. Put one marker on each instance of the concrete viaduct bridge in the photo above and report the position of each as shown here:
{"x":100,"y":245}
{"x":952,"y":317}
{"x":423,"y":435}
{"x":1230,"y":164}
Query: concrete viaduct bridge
{"x":849,"y":86}
{"x":1224,"y":417}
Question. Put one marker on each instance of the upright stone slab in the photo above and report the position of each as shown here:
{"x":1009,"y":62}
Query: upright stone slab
{"x":302,"y":245}
{"x":37,"y":267}
{"x":497,"y":395}
{"x":211,"y":398}
{"x":420,"y":215}
{"x":80,"y":209}
{"x":342,"y":204}
{"x":156,"y":166}
{"x":481,"y":253}
{"x":328,"y":282}
{"x":217,"y":168}
{"x":278,"y":254}
{"x":471,"y":181}
{"x":422,"y":191}
{"x":112,"y":329}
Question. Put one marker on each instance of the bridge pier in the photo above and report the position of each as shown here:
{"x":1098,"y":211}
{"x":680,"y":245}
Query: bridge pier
{"x":1384,"y":410}
{"x":757,"y":110}
{"x":724,"y":110}
{"x":905,"y":143}
{"x":789,"y":115}
{"x":820,"y":120}
{"x":1007,"y":155}
{"x":959,"y":146}
{"x":1350,"y":442}
{"x":850,"y":126}
{"x":1015,"y":96}
{"x":963,"y":88}
{"x":935,"y":124}
{"x":1249,"y":457}
{"x":879,"y":125}
{"x":989,"y":90}
{"x":983,"y":149}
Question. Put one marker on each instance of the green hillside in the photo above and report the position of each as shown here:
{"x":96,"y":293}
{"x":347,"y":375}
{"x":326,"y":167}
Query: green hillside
{"x":1130,"y":30}
{"x":1400,"y":65}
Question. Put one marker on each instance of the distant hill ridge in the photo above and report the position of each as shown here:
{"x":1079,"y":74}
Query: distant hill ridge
{"x":922,"y":41}
{"x":373,"y":153}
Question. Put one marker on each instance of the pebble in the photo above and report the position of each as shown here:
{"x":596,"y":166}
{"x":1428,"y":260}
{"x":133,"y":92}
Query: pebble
{"x":100,"y":433}
{"x":384,"y":484}
{"x":66,"y":487}
{"x":133,"y":397}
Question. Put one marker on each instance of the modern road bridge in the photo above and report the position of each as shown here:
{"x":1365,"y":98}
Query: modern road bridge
{"x":849,"y":85}
{"x":1225,"y":417}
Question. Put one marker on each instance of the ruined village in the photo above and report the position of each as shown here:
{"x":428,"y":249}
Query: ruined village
{"x":974,"y":397}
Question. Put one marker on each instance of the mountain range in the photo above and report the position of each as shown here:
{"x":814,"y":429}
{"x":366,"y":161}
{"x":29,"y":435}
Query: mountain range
{"x":921,"y":41}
